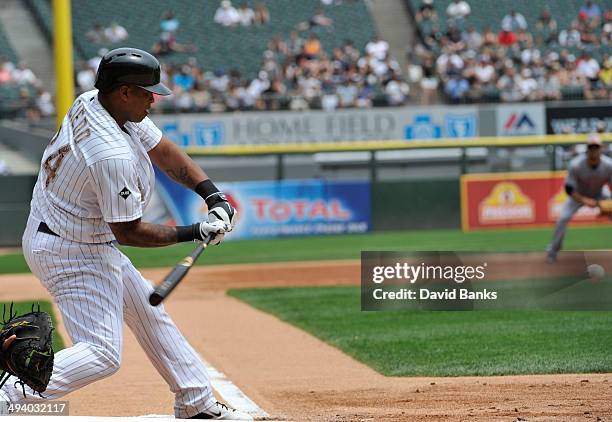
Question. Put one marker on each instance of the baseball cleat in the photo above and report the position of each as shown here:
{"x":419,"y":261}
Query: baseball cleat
{"x":220,"y":411}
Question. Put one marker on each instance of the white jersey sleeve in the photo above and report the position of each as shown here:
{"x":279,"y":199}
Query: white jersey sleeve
{"x":147,"y":132}
{"x":118,"y":189}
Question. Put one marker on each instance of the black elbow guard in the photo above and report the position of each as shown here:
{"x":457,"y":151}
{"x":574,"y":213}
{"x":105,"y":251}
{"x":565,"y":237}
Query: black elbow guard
{"x":569,"y":189}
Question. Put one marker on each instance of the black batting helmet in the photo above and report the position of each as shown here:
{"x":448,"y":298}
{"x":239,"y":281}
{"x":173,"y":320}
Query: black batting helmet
{"x":130,"y":66}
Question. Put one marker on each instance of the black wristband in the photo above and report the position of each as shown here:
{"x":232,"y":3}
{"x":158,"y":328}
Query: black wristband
{"x":209,"y":192}
{"x":188,"y":233}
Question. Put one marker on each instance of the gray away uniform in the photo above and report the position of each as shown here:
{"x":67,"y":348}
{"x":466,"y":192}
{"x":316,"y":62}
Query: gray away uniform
{"x":585,"y":180}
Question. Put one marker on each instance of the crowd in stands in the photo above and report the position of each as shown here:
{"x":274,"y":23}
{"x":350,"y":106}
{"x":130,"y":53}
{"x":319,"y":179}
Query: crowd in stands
{"x":519,"y":63}
{"x":228,"y":15}
{"x":296,"y":74}
{"x":32,"y":100}
{"x":100,"y":34}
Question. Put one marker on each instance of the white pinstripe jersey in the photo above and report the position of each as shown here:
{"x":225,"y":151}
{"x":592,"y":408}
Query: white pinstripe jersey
{"x":93,"y":173}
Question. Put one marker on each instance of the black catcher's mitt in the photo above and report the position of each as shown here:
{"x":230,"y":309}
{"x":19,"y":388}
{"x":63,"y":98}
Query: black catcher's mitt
{"x":30,"y":356}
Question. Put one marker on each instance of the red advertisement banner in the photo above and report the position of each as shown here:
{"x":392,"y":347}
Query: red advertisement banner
{"x":513,"y":200}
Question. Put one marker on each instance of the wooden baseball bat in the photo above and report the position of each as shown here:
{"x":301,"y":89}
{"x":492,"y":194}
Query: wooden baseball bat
{"x":175,"y":276}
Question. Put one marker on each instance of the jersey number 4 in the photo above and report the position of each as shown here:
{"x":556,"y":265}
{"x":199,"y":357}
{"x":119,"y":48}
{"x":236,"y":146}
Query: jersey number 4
{"x":80,"y":131}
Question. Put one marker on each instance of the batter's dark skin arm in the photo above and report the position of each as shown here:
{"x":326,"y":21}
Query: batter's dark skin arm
{"x":139,"y":233}
{"x":173,"y":161}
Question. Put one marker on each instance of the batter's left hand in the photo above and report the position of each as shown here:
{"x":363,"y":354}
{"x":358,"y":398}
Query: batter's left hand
{"x":222,"y":210}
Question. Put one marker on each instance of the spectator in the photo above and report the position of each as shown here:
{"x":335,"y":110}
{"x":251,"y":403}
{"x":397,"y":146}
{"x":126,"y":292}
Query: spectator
{"x":587,"y":66}
{"x":255,"y":89}
{"x":350,"y":51}
{"x":484,"y":71}
{"x":426,"y":11}
{"x":184,"y":79}
{"x":546,"y":28}
{"x":550,"y":85}
{"x":27,"y":104}
{"x":605,"y":74}
{"x":169,"y":22}
{"x":262,"y":15}
{"x":472,"y":39}
{"x":44,"y":103}
{"x":591,"y":10}
{"x":86,"y":77}
{"x":295,"y":44}
{"x":458,"y":9}
{"x":318,"y":19}
{"x":527,"y":85}
{"x":312,"y":47}
{"x":246,"y":16}
{"x":456,"y":87}
{"x":96,"y":35}
{"x":94,"y":62}
{"x":167,"y":42}
{"x":508,"y":85}
{"x":220,"y":81}
{"x":6,"y":71}
{"x":274,"y":93}
{"x":23,"y":75}
{"x":364,"y":95}
{"x":226,"y":14}
{"x":201,"y":96}
{"x":115,"y":33}
{"x":570,"y":37}
{"x":514,"y":20}
{"x":377,"y":48}
{"x":347,"y":92}
{"x":489,"y":38}
{"x":396,"y":90}
{"x":506,"y":37}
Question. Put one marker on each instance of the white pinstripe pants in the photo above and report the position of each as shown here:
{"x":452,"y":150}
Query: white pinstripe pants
{"x":95,"y":287}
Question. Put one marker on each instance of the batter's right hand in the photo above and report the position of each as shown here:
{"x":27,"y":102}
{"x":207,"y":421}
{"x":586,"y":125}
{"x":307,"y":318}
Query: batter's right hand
{"x":8,"y":341}
{"x":218,"y":228}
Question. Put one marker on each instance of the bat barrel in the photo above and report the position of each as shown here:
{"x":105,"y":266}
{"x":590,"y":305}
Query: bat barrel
{"x":176,"y":275}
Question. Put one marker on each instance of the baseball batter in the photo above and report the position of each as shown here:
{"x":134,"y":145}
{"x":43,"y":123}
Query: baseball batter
{"x":587,"y":174}
{"x":96,"y":179}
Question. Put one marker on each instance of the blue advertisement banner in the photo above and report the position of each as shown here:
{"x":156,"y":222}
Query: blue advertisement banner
{"x":275,"y":209}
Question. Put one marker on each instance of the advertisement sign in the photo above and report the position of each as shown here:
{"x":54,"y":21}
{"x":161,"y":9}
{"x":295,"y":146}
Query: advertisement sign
{"x":577,"y":119}
{"x":275,"y":209}
{"x":318,"y":126}
{"x":520,"y":119}
{"x":512,"y":200}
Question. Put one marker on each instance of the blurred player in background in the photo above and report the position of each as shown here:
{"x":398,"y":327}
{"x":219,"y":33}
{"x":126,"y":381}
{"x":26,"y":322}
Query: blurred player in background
{"x":587,"y":175}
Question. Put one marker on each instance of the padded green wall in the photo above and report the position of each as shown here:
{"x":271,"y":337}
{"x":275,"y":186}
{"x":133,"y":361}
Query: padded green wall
{"x":416,"y":204}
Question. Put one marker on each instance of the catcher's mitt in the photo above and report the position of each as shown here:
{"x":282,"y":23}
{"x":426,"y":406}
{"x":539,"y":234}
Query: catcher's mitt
{"x":30,"y":356}
{"x":605,"y":206}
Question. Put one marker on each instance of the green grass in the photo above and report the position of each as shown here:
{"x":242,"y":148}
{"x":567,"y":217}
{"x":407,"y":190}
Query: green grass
{"x":25,"y":307}
{"x":423,"y":343}
{"x":349,"y":246}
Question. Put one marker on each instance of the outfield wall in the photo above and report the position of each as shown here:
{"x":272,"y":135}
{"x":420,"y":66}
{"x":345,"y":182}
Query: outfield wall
{"x":398,"y":205}
{"x":408,"y":123}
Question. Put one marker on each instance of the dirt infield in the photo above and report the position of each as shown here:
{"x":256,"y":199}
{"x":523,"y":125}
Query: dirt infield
{"x":292,"y":375}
